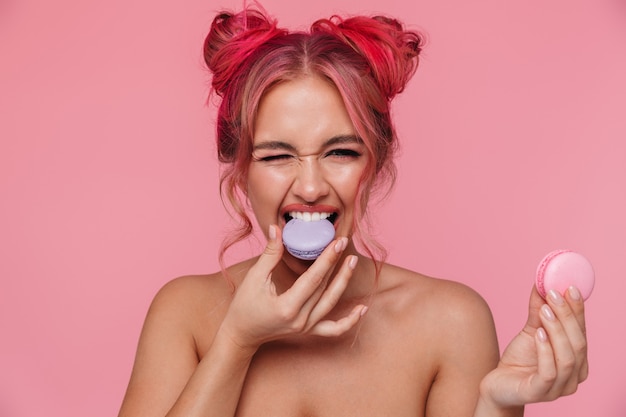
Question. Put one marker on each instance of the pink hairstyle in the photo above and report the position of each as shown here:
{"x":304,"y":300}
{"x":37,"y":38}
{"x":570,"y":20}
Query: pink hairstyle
{"x":368,"y":59}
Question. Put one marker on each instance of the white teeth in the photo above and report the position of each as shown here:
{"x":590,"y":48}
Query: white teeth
{"x":308,"y":216}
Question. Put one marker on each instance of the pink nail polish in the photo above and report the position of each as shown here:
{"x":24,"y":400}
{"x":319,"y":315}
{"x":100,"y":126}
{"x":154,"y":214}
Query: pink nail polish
{"x":547,"y":312}
{"x":541,"y":334}
{"x":272,"y":232}
{"x":555,"y":297}
{"x":341,"y":245}
{"x":574,"y":293}
{"x":353,"y":261}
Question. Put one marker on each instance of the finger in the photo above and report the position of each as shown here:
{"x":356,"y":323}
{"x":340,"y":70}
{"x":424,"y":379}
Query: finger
{"x":575,"y":301}
{"x":332,"y":294}
{"x":564,"y":357}
{"x":534,"y":305}
{"x":330,"y":328}
{"x":310,"y":303}
{"x":309,"y":287}
{"x":543,"y":382}
{"x":271,"y":254}
{"x":570,"y":312}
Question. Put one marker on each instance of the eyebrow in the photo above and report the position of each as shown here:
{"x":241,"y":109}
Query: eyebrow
{"x":335,"y":140}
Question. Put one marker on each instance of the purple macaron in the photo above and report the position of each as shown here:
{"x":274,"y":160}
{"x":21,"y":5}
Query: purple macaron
{"x":307,"y":239}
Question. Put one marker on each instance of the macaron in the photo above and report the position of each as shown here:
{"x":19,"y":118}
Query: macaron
{"x":307,"y":239}
{"x":561,"y":269}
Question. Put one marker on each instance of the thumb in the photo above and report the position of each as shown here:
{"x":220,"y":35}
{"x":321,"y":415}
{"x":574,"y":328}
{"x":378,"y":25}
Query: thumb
{"x":534,"y":307}
{"x":273,"y":251}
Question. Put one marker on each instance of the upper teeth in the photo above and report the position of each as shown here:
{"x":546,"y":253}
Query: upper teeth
{"x":309,"y":217}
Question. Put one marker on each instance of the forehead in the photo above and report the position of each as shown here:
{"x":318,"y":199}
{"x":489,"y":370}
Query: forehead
{"x":306,"y":112}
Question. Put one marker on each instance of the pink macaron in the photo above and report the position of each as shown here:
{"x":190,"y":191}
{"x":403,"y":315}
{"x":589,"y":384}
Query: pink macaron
{"x":561,"y":269}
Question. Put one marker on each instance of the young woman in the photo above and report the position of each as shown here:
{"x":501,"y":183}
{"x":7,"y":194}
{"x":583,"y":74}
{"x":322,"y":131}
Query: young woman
{"x":304,"y":129}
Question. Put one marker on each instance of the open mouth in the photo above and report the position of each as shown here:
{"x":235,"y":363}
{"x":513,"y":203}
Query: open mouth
{"x":311,"y":217}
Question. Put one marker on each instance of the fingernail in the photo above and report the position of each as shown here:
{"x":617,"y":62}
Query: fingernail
{"x":353,"y":261}
{"x":340,"y":245}
{"x":547,"y":312}
{"x":272,"y":232}
{"x":555,"y":297}
{"x":364,"y":310}
{"x":541,"y":334}
{"x":574,"y":293}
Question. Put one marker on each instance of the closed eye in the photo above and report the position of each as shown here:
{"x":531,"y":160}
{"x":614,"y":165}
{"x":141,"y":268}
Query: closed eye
{"x":271,"y":158}
{"x":344,"y":153}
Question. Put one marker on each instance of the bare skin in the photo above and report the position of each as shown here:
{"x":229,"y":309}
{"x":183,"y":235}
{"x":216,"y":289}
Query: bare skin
{"x":403,"y":350}
{"x":422,"y":349}
{"x":328,"y":338}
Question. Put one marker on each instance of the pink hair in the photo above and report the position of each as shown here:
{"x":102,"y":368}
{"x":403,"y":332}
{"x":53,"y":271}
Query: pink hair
{"x":368,"y":59}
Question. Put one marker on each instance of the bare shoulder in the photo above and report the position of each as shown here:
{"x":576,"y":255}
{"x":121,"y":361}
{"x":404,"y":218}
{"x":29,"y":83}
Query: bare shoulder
{"x":448,"y":300}
{"x":187,"y":293}
{"x":179,"y":328}
{"x":207,"y":289}
{"x":195,"y":304}
{"x":441,"y":310}
{"x":446,"y":321}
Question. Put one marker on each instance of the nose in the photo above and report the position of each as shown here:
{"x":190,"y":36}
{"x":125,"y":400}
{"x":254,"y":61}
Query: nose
{"x":310,"y":184}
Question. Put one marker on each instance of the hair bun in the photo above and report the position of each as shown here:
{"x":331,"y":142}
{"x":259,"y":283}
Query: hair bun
{"x":232,"y":38}
{"x":391,"y":50}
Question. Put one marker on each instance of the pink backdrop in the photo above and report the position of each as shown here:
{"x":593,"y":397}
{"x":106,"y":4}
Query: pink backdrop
{"x":513,"y":144}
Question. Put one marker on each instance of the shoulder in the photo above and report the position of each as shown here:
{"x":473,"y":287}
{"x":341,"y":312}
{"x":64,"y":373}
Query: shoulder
{"x":451,"y":321}
{"x":196,"y":301}
{"x":451,"y":301}
{"x":177,"y":306}
{"x":190,"y":290}
{"x":182,"y":297}
{"x":450,"y":314}
{"x":179,"y":327}
{"x":194,"y":290}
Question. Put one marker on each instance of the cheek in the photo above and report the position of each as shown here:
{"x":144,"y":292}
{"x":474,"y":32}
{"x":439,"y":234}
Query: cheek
{"x":348,"y":178}
{"x":265,"y":188}
{"x":254,"y":190}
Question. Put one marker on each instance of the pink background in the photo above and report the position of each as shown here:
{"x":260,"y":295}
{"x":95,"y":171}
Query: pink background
{"x":514,"y":144}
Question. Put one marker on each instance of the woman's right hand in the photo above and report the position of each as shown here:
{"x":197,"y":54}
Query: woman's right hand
{"x":258,"y":314}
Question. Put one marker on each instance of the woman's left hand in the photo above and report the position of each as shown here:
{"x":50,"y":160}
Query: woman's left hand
{"x":547,"y":359}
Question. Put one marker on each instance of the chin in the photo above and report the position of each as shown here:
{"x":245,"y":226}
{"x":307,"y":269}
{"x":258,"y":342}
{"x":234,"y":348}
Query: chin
{"x":296,"y":265}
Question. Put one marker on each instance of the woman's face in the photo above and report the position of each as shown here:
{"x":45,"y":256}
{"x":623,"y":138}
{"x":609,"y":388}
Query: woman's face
{"x":306,"y":156}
